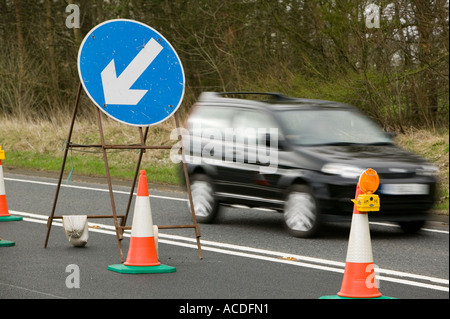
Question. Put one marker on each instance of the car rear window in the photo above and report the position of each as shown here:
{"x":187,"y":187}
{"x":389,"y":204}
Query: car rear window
{"x":207,"y":117}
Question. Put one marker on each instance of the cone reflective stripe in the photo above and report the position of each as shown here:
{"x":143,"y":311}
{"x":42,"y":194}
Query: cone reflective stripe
{"x":359,"y":276}
{"x":142,"y":251}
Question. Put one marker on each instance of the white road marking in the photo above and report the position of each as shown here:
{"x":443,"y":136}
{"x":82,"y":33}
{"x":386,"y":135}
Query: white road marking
{"x":262,"y":254}
{"x":31,"y":290}
{"x":90,"y":188}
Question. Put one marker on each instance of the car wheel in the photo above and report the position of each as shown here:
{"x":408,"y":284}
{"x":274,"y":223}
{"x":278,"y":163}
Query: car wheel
{"x":301,"y":214}
{"x":411,"y":227}
{"x":205,"y":204}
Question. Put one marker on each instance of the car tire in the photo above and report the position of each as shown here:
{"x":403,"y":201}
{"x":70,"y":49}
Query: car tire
{"x":412,"y":227}
{"x":205,"y":204}
{"x":301,"y":214}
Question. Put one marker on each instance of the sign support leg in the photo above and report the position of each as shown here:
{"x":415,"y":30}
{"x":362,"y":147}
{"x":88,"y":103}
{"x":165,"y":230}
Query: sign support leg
{"x":68,"y":142}
{"x":188,"y":187}
{"x":119,"y":231}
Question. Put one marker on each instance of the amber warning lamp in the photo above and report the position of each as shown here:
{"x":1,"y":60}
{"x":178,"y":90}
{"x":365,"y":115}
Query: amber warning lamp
{"x":368,"y":184}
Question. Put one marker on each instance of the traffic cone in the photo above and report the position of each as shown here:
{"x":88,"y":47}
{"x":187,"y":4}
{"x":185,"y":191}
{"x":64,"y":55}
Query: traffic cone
{"x":5,"y":216}
{"x":142,"y":254}
{"x":6,"y":243}
{"x":359,"y":275}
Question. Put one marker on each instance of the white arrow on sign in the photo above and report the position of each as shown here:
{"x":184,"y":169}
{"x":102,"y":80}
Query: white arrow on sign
{"x":117,"y":89}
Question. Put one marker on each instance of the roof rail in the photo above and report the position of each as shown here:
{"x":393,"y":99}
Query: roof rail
{"x":271,"y":95}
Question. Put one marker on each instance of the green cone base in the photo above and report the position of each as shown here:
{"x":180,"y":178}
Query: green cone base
{"x":339,"y":297}
{"x":123,"y":269}
{"x":10,"y":218}
{"x":6,"y":243}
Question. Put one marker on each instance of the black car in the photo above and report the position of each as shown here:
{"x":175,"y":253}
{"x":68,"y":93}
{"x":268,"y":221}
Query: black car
{"x":301,"y":157}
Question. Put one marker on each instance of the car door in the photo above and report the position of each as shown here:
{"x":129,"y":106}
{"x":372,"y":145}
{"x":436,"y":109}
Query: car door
{"x":207,"y":126}
{"x":253,"y":173}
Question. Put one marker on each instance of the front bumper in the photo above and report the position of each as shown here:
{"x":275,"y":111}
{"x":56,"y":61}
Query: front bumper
{"x":334,"y":196}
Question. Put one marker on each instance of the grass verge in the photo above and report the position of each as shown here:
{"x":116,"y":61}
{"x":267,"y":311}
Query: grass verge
{"x":93,"y":165}
{"x":40,"y":146}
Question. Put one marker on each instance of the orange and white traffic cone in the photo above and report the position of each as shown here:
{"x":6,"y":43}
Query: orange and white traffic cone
{"x":142,"y":253}
{"x":359,"y":274}
{"x":5,"y":216}
{"x":142,"y":250}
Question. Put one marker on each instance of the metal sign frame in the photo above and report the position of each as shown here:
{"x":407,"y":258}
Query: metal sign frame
{"x":120,"y":227}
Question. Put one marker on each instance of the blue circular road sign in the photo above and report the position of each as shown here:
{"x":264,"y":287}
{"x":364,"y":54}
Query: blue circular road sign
{"x":131,"y":72}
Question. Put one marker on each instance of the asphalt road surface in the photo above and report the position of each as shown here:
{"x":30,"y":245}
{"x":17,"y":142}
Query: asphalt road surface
{"x":247,"y":255}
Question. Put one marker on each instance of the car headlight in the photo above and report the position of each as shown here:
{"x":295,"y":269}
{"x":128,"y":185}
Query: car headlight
{"x":346,"y":171}
{"x":427,"y":170}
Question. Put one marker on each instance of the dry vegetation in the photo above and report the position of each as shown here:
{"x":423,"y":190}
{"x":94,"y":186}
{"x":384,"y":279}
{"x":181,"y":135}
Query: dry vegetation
{"x":39,"y":145}
{"x":48,"y":137}
{"x":432,"y":145}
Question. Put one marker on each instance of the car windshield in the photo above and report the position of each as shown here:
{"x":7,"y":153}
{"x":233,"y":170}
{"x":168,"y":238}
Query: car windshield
{"x":331,"y":127}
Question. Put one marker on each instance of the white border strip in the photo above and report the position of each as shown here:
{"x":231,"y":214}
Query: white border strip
{"x":90,"y":188}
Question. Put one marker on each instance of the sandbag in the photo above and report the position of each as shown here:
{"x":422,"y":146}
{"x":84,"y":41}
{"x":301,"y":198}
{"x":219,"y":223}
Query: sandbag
{"x":76,"y":229}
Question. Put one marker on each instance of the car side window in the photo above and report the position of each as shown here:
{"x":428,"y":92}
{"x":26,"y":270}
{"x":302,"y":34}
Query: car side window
{"x":254,"y":126}
{"x":210,"y":118}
